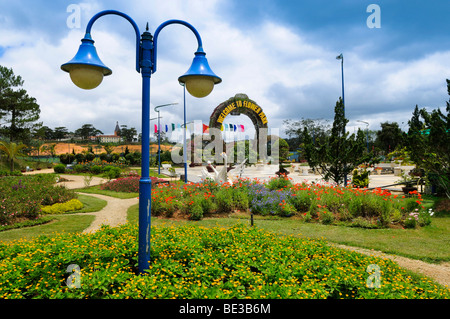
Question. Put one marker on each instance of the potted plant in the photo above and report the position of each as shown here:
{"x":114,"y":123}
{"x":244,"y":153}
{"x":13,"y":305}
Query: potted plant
{"x":409,"y":182}
{"x":378,"y":169}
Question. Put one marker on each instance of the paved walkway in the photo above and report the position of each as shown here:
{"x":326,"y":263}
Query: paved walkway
{"x":299,"y":175}
{"x":113,"y":214}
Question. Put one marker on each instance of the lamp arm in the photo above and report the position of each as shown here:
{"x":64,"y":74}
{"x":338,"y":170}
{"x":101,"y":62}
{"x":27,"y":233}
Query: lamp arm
{"x":123,"y":15}
{"x":165,"y":24}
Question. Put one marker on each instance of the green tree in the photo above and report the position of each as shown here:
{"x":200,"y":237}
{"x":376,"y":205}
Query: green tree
{"x":127,"y":134}
{"x":17,"y":109}
{"x":429,"y":144}
{"x":12,"y":150}
{"x":60,"y":132}
{"x":86,"y":131}
{"x":338,"y":154}
{"x":389,"y":137}
{"x":319,"y":128}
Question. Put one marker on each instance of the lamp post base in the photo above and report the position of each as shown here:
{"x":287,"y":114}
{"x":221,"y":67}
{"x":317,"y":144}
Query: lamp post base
{"x":145,"y":189}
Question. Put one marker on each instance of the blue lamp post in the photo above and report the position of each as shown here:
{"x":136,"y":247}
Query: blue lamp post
{"x":87,"y":72}
{"x":341,"y":57}
{"x":184,"y":134}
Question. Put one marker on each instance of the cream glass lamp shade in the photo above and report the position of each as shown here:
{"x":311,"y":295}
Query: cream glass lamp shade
{"x":199,"y":79}
{"x":86,"y":77}
{"x":199,"y":86}
{"x":86,"y":69}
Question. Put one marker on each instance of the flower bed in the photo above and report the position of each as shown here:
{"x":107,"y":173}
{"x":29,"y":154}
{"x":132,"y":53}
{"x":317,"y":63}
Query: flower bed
{"x":279,"y":197}
{"x":127,"y":184}
{"x":21,"y":197}
{"x":195,"y":262}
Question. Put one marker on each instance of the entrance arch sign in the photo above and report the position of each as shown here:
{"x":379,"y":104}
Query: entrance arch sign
{"x":237,"y":105}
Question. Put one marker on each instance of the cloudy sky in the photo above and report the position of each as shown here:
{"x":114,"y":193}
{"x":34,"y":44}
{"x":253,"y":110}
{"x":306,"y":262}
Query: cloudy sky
{"x":281,"y":53}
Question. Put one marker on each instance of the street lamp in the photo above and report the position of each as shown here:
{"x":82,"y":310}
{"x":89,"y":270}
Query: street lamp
{"x":159,"y":134}
{"x":184,"y":137}
{"x":87,"y":72}
{"x":341,"y":57}
{"x":184,"y":133}
{"x":367,"y":134}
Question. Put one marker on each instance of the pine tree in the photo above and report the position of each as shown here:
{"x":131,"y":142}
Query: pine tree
{"x":429,"y":144}
{"x":339,"y":153}
{"x":17,"y":108}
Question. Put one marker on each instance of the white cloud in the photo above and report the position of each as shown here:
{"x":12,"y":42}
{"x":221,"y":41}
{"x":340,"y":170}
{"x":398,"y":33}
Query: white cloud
{"x":288,"y":76}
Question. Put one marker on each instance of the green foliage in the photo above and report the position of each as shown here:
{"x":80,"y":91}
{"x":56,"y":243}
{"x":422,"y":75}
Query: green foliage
{"x":59,"y":168}
{"x":17,"y":108}
{"x":389,"y":137}
{"x":59,"y":208}
{"x":66,"y":158}
{"x":111,"y":172}
{"x":197,"y":263}
{"x":360,"y":179}
{"x":279,"y":183}
{"x":22,"y":197}
{"x":95,"y":169}
{"x":429,"y":144}
{"x":224,"y":200}
{"x":12,"y":150}
{"x":339,"y":153}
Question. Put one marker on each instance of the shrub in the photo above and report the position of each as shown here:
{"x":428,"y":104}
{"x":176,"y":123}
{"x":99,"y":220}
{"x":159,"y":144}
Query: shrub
{"x":60,"y":168}
{"x":66,"y":158}
{"x":425,"y":217}
{"x":79,"y":168}
{"x":279,"y":182}
{"x":80,"y":157}
{"x":326,"y":217}
{"x":195,"y":211}
{"x":411,"y":221}
{"x":111,"y":172}
{"x":90,"y":157}
{"x":59,"y":208}
{"x":22,"y":197}
{"x":224,"y":201}
{"x":240,"y":199}
{"x":126,"y":185}
{"x":95,"y":169}
{"x":300,"y":201}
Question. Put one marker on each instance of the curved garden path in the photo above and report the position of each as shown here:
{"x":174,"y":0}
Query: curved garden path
{"x":439,"y":272}
{"x":113,"y":214}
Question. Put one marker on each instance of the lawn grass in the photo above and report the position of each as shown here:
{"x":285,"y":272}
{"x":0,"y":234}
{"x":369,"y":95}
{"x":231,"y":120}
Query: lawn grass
{"x":61,"y":224}
{"x":430,"y":243}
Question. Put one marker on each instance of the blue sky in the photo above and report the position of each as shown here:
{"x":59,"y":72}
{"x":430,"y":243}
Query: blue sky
{"x":282,"y":54}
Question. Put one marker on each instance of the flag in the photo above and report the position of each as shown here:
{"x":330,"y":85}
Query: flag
{"x":167,"y":129}
{"x":221,"y":127}
{"x":173,"y":126}
{"x":241,"y":128}
{"x":205,"y":128}
{"x":156,"y":128}
{"x":235,"y":128}
{"x":179,"y":126}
